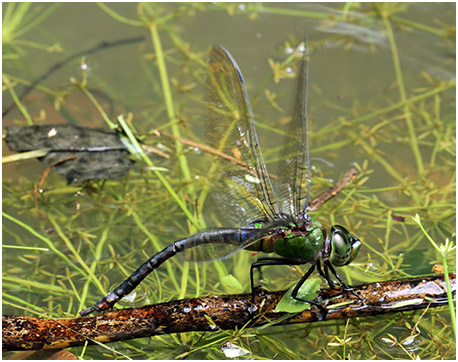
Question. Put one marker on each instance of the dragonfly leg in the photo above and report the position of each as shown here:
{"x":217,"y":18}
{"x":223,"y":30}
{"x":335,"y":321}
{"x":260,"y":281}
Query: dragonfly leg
{"x":309,"y":272}
{"x":345,"y":288}
{"x":325,"y":276}
{"x":263,"y":262}
{"x":266,"y":262}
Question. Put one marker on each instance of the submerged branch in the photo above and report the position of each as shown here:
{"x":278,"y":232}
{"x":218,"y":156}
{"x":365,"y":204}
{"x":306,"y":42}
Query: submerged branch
{"x":101,"y":46}
{"x":324,"y":197}
{"x":220,"y":312}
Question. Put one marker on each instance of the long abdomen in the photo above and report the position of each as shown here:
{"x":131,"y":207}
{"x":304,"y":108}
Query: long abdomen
{"x":231,"y":236}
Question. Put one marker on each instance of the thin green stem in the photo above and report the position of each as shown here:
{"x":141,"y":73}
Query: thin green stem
{"x":196,"y":270}
{"x":175,"y":131}
{"x":36,"y":20}
{"x":32,"y":308}
{"x":16,"y":100}
{"x":183,"y":47}
{"x":35,"y":248}
{"x":137,"y":150}
{"x":8,"y":12}
{"x":168,"y":100}
{"x":294,"y":12}
{"x":77,"y":256}
{"x":140,"y":154}
{"x":94,"y":264}
{"x":386,"y":164}
{"x":157,"y":246}
{"x":14,"y":16}
{"x":416,"y":219}
{"x":28,"y":83}
{"x":118,"y":17}
{"x":419,"y":26}
{"x":402,"y":91}
{"x":444,"y":250}
{"x":344,"y":352}
{"x":388,"y":109}
{"x":48,"y":242}
{"x":35,"y":45}
{"x":184,"y":280}
{"x":47,"y":287}
{"x":25,"y":155}
{"x":97,"y":105}
{"x":449,"y":294}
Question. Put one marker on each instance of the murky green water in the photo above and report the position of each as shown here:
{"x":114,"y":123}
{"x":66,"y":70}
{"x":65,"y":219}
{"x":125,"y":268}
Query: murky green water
{"x":406,"y":157}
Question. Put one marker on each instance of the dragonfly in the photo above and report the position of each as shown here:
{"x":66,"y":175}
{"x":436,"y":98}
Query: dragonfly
{"x":273,"y":211}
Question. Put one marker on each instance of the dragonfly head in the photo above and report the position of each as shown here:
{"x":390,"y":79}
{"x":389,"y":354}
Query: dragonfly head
{"x":345,"y":246}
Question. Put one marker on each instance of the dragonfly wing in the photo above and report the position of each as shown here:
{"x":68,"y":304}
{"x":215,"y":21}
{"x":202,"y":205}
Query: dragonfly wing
{"x":294,"y":168}
{"x":218,"y":247}
{"x":210,"y":252}
{"x":239,"y":178}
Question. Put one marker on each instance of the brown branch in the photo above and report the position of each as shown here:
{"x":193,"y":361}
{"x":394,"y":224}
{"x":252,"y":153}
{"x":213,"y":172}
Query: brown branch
{"x":324,"y":197}
{"x":45,"y":173}
{"x":219,"y":312}
{"x":315,"y":204}
{"x":204,"y":148}
{"x":101,"y":46}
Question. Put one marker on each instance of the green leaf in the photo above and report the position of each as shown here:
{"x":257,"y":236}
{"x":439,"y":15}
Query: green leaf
{"x":231,"y":282}
{"x":308,"y":290}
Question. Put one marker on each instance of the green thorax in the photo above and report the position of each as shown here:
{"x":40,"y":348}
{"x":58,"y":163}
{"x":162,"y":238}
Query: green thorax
{"x":293,"y":242}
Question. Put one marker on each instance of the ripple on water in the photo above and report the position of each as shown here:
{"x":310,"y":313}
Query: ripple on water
{"x":398,"y":342}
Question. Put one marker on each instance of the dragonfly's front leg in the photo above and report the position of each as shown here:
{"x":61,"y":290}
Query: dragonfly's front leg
{"x":346,"y":288}
{"x":325,"y":275}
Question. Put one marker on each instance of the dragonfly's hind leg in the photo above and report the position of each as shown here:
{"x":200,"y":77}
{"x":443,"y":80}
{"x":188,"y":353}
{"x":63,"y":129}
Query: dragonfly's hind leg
{"x":266,"y":262}
{"x":281,"y":261}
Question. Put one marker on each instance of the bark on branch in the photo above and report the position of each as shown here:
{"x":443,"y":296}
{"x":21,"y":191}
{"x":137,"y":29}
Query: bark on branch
{"x":219,"y":312}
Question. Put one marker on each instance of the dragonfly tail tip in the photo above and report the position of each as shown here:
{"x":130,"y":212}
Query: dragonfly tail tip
{"x":86,"y":311}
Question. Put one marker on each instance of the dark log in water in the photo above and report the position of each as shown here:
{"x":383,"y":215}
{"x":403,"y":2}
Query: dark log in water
{"x":220,"y":312}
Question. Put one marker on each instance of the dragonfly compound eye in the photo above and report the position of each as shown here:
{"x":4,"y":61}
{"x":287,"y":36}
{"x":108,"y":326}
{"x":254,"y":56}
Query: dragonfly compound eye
{"x":345,"y":246}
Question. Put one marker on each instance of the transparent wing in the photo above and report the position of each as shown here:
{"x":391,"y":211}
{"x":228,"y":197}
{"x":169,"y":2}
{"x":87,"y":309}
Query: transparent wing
{"x":221,"y":243}
{"x":219,"y":249}
{"x":294,"y":169}
{"x":244,"y":192}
